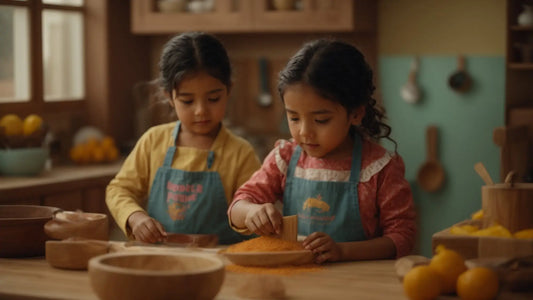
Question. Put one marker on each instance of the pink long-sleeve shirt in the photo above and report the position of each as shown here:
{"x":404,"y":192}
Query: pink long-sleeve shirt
{"x":385,"y":199}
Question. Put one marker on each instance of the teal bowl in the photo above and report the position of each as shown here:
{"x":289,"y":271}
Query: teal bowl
{"x":22,"y":161}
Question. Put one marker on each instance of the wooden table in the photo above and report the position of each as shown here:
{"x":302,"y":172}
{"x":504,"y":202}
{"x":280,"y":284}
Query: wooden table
{"x":33,"y":278}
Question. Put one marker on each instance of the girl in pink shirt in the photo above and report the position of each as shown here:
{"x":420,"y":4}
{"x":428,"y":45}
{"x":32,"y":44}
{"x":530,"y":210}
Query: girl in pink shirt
{"x":349,"y":193}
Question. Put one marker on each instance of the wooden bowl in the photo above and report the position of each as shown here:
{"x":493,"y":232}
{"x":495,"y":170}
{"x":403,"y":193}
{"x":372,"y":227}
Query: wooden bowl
{"x":21,"y":229}
{"x":269,"y":259}
{"x":69,"y":224}
{"x":156,"y":275}
{"x":74,"y":254}
{"x":510,"y":205}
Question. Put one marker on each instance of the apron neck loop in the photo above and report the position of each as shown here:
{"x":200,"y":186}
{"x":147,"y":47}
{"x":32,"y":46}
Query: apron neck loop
{"x":356,"y":159}
{"x":294,"y":161}
{"x":210,"y":159}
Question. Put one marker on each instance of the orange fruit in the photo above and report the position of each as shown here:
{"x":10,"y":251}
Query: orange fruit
{"x":477,"y":284}
{"x":449,"y":264}
{"x":107,"y":142}
{"x":31,"y":124}
{"x":422,"y":283}
{"x":12,"y":124}
{"x":98,"y":154}
{"x":111,"y":154}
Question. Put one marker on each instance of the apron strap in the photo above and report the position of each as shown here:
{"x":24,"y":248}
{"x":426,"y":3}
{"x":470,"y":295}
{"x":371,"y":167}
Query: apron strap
{"x":172,"y":149}
{"x":356,"y":159}
{"x":169,"y":157}
{"x":294,"y":161}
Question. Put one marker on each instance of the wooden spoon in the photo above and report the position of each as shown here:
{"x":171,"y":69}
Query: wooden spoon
{"x":430,"y":176}
{"x":482,"y":172}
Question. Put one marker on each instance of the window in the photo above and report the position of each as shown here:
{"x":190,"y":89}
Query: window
{"x":41,"y":52}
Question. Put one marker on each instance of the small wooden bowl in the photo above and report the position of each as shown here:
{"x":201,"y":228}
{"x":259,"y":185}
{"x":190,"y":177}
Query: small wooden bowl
{"x":269,"y":259}
{"x":21,"y":229}
{"x":74,"y":254}
{"x":156,"y":276}
{"x":69,"y":224}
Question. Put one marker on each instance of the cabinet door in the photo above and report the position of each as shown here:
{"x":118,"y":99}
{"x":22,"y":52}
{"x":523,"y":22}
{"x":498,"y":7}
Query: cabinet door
{"x":226,"y":16}
{"x":313,"y":15}
{"x":70,"y":201}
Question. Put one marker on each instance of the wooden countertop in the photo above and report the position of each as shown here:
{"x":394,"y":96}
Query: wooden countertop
{"x":33,"y":278}
{"x":57,"y":177}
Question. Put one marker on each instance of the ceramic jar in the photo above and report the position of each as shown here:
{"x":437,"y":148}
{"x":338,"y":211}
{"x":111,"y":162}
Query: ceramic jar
{"x":525,"y":18}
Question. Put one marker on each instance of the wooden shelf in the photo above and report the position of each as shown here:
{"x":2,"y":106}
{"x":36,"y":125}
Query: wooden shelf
{"x":242,"y":16}
{"x":521,"y":28}
{"x":516,"y":152}
{"x":520,"y":66}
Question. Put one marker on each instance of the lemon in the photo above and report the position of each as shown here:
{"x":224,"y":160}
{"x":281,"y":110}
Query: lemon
{"x":477,"y":284}
{"x":422,"y":283}
{"x":12,"y":124}
{"x":495,"y":230}
{"x":463,"y":229}
{"x":449,"y":264}
{"x":478,"y":215}
{"x":31,"y":124}
{"x":524,"y":234}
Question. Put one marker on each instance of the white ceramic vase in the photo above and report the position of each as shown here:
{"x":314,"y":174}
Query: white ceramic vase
{"x":525,"y":18}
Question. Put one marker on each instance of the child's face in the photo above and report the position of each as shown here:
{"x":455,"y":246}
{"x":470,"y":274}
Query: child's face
{"x":320,"y":126}
{"x":200,"y":102}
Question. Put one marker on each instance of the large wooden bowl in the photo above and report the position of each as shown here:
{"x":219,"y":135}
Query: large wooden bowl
{"x":76,"y":224}
{"x":156,"y":276}
{"x":21,"y":229}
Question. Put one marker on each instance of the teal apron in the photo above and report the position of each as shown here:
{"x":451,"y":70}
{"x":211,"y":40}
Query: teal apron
{"x":326,"y":206}
{"x":190,"y":202}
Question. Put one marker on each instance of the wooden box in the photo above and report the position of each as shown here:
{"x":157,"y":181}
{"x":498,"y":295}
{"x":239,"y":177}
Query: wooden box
{"x":481,"y":246}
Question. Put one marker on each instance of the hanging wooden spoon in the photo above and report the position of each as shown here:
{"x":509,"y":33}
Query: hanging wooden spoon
{"x":430,"y":176}
{"x":482,"y":172}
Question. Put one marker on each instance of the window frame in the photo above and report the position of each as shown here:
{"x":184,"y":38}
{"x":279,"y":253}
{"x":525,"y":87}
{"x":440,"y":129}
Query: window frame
{"x":36,"y":103}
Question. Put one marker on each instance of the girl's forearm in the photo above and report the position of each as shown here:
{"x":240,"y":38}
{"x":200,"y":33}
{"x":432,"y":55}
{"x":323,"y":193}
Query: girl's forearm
{"x":238,"y":213}
{"x":378,"y":248}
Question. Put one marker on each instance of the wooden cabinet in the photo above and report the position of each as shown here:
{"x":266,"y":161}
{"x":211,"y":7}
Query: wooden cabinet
{"x":516,"y":139}
{"x":241,"y":16}
{"x":69,"y":188}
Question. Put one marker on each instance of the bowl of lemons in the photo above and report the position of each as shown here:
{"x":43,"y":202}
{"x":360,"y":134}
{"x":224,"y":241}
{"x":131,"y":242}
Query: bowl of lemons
{"x":21,"y":145}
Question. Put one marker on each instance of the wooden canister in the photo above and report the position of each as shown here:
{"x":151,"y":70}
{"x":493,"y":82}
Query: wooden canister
{"x":508,"y":204}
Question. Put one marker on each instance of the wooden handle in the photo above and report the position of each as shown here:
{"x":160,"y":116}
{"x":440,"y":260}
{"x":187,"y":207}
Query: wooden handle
{"x":289,"y":228}
{"x":482,"y":172}
{"x":432,"y":141}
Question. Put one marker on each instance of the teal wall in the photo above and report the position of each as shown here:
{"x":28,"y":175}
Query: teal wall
{"x":465,"y":122}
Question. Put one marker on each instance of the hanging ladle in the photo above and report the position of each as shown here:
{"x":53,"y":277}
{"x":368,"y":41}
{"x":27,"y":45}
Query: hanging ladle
{"x":410,"y":92}
{"x":430,"y":176}
{"x":483,"y":173}
{"x":460,"y":81}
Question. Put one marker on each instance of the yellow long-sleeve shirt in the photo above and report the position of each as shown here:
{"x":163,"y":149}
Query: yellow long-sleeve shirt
{"x":235,"y":161}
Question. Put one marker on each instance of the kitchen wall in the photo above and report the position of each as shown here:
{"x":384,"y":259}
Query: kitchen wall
{"x":436,"y":32}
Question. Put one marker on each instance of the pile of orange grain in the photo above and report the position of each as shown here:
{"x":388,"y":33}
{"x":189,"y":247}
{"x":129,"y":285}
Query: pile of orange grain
{"x":265,"y":244}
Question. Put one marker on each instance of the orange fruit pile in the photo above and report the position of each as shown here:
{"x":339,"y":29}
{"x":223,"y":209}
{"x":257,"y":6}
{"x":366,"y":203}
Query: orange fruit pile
{"x":447,"y":274}
{"x":95,"y":151}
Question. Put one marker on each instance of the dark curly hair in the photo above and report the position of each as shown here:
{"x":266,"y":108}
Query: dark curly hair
{"x":338,"y":71}
{"x":190,"y":52}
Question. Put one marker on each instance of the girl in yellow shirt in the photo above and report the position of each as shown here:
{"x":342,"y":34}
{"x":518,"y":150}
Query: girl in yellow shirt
{"x":181,"y":176}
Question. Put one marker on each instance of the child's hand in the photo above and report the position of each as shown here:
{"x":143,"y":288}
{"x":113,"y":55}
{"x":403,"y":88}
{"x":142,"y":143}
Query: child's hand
{"x":146,"y":229}
{"x":263,"y":219}
{"x":323,"y":246}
